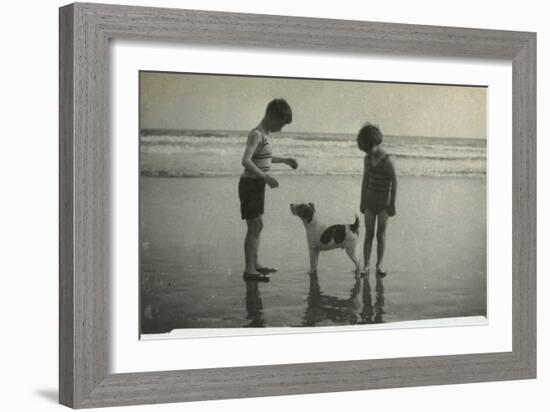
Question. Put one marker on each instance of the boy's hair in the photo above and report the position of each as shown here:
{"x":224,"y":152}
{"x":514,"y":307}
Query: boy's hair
{"x":279,"y":109}
{"x":369,"y":136}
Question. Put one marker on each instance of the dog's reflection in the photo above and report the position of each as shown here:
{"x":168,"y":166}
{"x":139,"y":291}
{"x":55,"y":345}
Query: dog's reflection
{"x":254,"y":305}
{"x":326,"y":310}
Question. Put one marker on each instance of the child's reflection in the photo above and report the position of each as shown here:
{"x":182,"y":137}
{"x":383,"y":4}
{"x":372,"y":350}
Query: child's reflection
{"x":373,"y":314}
{"x":254,"y":306}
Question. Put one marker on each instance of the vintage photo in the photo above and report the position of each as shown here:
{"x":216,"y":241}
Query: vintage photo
{"x":271,"y":202}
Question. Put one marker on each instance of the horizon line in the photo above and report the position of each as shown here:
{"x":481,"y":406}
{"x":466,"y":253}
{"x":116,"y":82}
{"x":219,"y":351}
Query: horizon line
{"x":304,"y":132}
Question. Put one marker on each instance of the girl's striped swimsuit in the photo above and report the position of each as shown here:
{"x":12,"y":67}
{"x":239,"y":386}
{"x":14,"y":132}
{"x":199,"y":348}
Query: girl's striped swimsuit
{"x":378,"y":185}
{"x":262,"y":156}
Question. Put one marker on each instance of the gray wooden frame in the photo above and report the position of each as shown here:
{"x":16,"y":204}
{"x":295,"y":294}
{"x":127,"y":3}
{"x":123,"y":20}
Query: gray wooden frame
{"x":85,"y":31}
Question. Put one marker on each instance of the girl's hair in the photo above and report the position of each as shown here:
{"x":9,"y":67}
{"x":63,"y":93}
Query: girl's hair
{"x":369,"y":136}
{"x":279,"y":109}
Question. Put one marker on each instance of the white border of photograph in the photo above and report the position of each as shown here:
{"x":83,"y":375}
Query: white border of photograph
{"x":213,"y":348}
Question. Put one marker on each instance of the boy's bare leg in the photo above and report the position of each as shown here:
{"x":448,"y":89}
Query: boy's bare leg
{"x":370,"y":221}
{"x":381,"y":238}
{"x":252,"y":243}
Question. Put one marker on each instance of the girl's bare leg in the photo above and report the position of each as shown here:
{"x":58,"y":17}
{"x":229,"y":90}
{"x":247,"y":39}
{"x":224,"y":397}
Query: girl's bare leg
{"x":381,"y":239}
{"x":370,"y":220}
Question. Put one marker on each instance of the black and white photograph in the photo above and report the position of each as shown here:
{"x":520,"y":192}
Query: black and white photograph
{"x":270,"y":202}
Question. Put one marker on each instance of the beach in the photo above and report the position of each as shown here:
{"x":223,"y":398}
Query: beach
{"x":191,"y":251}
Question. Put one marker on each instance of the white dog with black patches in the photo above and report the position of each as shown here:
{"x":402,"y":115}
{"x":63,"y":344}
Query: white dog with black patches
{"x":323,"y":237}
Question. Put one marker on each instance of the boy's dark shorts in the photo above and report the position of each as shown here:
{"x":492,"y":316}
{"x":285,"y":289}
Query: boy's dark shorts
{"x":252,"y":196}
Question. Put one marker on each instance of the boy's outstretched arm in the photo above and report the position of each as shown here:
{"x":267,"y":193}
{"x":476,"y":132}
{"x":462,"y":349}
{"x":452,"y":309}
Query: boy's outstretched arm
{"x":252,"y":143}
{"x":289,"y":161}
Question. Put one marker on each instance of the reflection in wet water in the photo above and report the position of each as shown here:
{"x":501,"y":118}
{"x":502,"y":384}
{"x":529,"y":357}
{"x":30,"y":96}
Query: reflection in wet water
{"x":322,"y":307}
{"x":373,"y":313}
{"x":254,"y":305}
{"x":163,"y":312}
{"x":326,"y":309}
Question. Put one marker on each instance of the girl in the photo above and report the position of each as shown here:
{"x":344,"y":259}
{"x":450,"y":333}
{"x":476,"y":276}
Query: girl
{"x":378,"y":193}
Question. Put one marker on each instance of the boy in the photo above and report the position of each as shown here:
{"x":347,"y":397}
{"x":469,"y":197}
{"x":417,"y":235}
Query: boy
{"x":257,"y":160}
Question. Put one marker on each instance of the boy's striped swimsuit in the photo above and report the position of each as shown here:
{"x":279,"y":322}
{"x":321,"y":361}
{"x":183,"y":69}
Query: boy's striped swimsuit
{"x":262,"y":156}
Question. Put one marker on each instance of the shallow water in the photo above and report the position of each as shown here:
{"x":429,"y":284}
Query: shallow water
{"x":192,"y":258}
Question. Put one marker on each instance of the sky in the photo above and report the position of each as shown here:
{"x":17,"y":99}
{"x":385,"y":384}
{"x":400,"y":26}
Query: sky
{"x":214,"y":102}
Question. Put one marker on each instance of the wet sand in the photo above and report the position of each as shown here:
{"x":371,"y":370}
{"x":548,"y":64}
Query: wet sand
{"x":192,"y":258}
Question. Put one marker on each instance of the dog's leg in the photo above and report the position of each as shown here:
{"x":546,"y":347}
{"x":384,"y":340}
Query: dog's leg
{"x":313,"y":259}
{"x":351,"y":253}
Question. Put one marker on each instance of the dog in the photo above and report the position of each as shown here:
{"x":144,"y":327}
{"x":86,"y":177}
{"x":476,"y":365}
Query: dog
{"x":322,"y":237}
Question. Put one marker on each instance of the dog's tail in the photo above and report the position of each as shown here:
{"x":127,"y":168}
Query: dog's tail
{"x":355,"y":227}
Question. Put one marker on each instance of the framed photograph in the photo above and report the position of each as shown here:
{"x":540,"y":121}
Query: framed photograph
{"x":389,"y":171}
{"x":191,"y":152}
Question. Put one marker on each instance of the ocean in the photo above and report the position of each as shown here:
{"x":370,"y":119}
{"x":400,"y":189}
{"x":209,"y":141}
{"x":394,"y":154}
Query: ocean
{"x":206,"y":153}
{"x":191,"y":233}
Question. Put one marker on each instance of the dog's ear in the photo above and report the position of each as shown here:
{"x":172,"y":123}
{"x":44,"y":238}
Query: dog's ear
{"x":312,"y":206}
